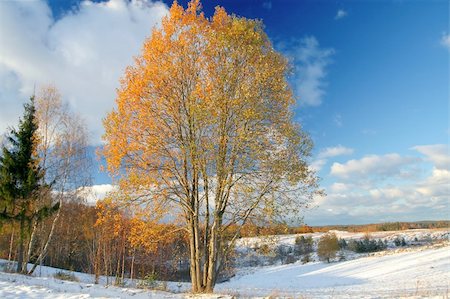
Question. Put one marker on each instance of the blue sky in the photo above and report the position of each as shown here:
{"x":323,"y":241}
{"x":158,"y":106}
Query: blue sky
{"x":372,"y":80}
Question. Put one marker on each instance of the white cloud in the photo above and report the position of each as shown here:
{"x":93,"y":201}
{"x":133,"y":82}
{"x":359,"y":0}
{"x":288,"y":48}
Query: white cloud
{"x":436,"y":153}
{"x":339,"y":187}
{"x":310,"y":62}
{"x":84,"y":53}
{"x":386,"y":193}
{"x":317,"y":164}
{"x":436,"y":185}
{"x":389,"y":164}
{"x":329,"y":152}
{"x":335,"y":151}
{"x":356,"y":194}
{"x":445,"y":40}
{"x":340,"y":14}
{"x":94,"y":193}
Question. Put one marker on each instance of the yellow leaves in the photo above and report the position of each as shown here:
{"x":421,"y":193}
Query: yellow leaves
{"x":141,"y":228}
{"x":220,"y":19}
{"x":200,"y":89}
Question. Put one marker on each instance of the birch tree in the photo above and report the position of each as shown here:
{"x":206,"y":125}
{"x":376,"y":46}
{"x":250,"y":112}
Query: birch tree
{"x":204,"y":126}
{"x":62,"y":148}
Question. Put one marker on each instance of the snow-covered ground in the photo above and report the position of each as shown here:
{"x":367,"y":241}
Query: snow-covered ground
{"x":20,"y":286}
{"x":419,"y":271}
{"x":410,"y":236}
{"x":411,"y":273}
{"x":277,"y":249}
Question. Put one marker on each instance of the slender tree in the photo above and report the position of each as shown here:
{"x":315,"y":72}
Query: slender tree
{"x":204,"y":129}
{"x":62,"y":149}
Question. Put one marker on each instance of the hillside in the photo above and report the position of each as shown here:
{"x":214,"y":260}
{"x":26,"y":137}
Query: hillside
{"x":414,"y":273}
{"x":410,"y":271}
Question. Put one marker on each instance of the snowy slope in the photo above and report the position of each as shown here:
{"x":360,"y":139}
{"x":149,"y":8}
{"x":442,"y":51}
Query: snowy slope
{"x":20,"y":286}
{"x":289,"y":240}
{"x":420,"y":272}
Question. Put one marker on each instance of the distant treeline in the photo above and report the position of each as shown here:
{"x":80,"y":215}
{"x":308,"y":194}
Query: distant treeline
{"x":252,"y":230}
{"x":386,"y":226}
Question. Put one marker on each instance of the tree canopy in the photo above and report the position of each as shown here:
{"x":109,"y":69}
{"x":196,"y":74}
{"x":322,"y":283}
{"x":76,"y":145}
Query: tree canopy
{"x":204,"y":128}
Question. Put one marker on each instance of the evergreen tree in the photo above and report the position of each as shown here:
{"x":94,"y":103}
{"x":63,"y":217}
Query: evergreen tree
{"x":303,"y":245}
{"x":21,"y":180}
{"x":343,"y":244}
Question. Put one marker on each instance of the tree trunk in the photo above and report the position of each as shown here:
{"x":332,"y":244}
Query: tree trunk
{"x":105,"y":261}
{"x":213,"y":256}
{"x":30,"y":247}
{"x":11,"y":242}
{"x":132,"y":267}
{"x":97,"y":255}
{"x":198,"y":261}
{"x":21,"y":239}
{"x":122,"y":276}
{"x":50,"y":235}
{"x":192,"y":251}
{"x":123,"y":260}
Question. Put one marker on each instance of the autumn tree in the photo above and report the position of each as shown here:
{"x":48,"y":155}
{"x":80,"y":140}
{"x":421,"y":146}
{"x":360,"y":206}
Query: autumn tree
{"x":204,"y":128}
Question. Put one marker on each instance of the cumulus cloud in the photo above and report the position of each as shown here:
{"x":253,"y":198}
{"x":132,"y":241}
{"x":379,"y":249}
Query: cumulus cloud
{"x":436,"y":185}
{"x":340,"y":14}
{"x":370,"y":165}
{"x":436,"y":153}
{"x":339,"y":187}
{"x":310,"y":65}
{"x":329,"y":152}
{"x":335,"y":151}
{"x":83,"y":53}
{"x":356,"y":194}
{"x":94,"y":193}
{"x":317,"y":164}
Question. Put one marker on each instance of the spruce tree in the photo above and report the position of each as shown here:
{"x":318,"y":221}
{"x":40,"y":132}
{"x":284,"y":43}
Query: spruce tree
{"x":21,"y":179}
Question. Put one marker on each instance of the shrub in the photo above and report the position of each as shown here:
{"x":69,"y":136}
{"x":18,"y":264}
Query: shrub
{"x":149,"y":281}
{"x":327,"y":247}
{"x":400,"y":241}
{"x":290,"y":259}
{"x":343,"y":244}
{"x":303,"y":245}
{"x":264,"y":249}
{"x":306,"y":258}
{"x":381,"y":245}
{"x":65,"y":276}
{"x":366,"y":245}
{"x":353,"y":245}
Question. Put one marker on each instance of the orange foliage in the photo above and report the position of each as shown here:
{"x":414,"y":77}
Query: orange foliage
{"x":204,"y":129}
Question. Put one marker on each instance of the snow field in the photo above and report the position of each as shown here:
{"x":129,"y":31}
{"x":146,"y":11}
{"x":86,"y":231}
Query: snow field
{"x":401,"y":272}
{"x":416,"y":273}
